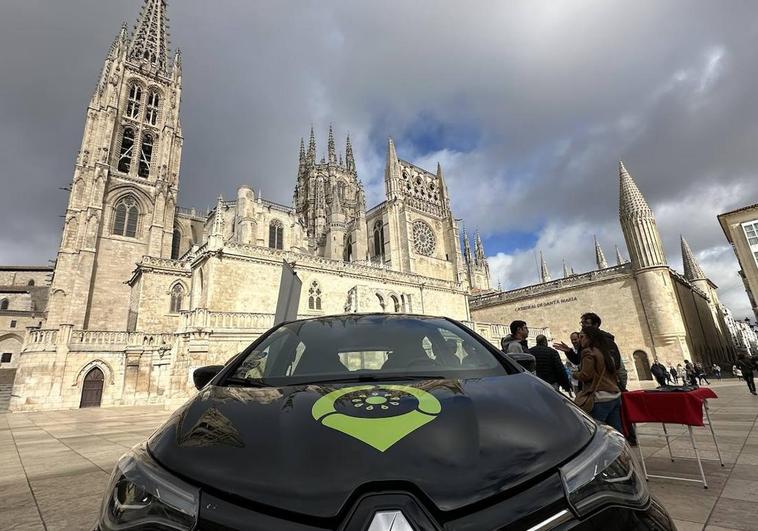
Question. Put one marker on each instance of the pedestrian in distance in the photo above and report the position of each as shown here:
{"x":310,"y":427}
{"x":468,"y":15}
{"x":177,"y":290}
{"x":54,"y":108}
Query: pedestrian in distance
{"x":513,"y":342}
{"x":745,"y":366}
{"x":736,"y":371}
{"x":548,"y":365}
{"x":700,"y":373}
{"x":689,"y":371}
{"x":717,"y":371}
{"x":659,"y":372}
{"x":674,"y":374}
{"x":600,"y":395}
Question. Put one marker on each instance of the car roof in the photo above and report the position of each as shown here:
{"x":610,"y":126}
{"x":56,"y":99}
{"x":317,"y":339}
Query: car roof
{"x":367,"y":314}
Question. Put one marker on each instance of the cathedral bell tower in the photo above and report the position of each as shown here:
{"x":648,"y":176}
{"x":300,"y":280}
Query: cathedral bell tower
{"x":651,"y":272}
{"x":123,"y":193}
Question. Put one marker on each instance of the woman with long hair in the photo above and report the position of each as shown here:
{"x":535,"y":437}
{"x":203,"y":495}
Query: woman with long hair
{"x":600,"y":395}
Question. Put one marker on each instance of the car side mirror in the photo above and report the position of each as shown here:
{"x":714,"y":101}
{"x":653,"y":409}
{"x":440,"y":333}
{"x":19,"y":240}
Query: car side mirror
{"x":203,"y":375}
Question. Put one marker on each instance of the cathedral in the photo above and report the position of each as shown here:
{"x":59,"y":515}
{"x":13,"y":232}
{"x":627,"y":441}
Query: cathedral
{"x":144,"y":291}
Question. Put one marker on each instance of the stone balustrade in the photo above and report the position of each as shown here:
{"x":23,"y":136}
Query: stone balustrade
{"x":50,"y":339}
{"x":202,"y":318}
{"x":42,"y":337}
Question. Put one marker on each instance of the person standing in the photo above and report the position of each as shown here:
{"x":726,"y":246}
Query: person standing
{"x":513,"y":342}
{"x":548,"y":365}
{"x":700,"y":373}
{"x":689,"y":371}
{"x":593,"y":320}
{"x":674,"y":374}
{"x":745,"y":365}
{"x":573,"y":352}
{"x":717,"y":371}
{"x":659,"y":372}
{"x":600,"y":395}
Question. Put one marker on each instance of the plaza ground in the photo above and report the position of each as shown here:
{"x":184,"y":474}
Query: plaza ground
{"x":54,"y":465}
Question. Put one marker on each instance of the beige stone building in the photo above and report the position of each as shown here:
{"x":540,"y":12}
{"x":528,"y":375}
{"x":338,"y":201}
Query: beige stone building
{"x":741,"y":229}
{"x":654,"y":311}
{"x":144,"y":291}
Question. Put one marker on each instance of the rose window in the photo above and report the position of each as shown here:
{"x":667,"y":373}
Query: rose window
{"x":423,"y":238}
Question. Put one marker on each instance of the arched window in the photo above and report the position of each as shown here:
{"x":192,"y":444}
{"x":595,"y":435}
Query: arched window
{"x":125,"y":216}
{"x":135,"y":97}
{"x":146,"y":153}
{"x":3,"y":304}
{"x":127,"y":146}
{"x":381,"y":301}
{"x":347,"y":252}
{"x":177,"y":298}
{"x":151,"y":111}
{"x":276,"y":235}
{"x":30,"y":283}
{"x":314,"y":296}
{"x":175,"y":244}
{"x":379,"y":238}
{"x":395,"y":303}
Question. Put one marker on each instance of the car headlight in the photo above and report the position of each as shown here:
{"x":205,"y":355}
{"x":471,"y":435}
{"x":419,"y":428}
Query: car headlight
{"x":604,"y":474}
{"x":141,"y":495}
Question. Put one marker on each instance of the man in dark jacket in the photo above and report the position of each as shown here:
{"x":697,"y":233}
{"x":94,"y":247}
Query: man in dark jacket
{"x":549,"y":366}
{"x":746,"y":365}
{"x":593,"y":320}
{"x":659,"y":372}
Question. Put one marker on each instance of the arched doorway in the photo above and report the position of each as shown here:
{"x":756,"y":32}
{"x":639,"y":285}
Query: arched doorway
{"x":92,"y":388}
{"x":642,"y":364}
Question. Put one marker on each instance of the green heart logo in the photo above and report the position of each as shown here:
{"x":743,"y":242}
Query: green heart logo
{"x":378,"y":415}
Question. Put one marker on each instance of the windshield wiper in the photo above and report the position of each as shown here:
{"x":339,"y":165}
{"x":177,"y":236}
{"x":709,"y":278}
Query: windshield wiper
{"x":371,"y":378}
{"x":245,"y":382}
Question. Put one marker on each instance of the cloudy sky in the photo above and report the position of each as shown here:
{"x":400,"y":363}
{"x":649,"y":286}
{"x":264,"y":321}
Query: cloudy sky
{"x":528,"y":105}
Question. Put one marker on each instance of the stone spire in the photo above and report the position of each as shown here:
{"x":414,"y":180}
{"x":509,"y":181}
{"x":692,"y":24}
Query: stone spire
{"x":602,"y":263}
{"x":479,"y":257}
{"x":301,"y":161}
{"x":692,"y":269}
{"x":349,"y":160}
{"x":566,"y":270}
{"x":619,"y":259}
{"x":638,"y":224}
{"x":331,"y":152}
{"x":150,"y":40}
{"x":466,"y":247}
{"x":311,"y":158}
{"x":544,"y":273}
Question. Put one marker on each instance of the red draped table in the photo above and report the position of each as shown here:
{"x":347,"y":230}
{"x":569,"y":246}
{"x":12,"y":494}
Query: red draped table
{"x":670,"y":407}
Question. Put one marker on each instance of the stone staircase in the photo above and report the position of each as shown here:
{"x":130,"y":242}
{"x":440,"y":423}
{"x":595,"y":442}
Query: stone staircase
{"x":6,"y":385}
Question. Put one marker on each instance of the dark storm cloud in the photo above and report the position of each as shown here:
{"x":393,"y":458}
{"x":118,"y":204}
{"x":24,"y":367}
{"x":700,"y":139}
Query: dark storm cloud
{"x":528,"y":105}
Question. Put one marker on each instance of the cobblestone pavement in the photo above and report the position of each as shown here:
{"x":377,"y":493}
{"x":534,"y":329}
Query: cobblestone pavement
{"x":54,"y":465}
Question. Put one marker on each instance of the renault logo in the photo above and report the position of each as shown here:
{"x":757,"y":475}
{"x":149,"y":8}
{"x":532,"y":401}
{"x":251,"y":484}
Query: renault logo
{"x":389,"y":521}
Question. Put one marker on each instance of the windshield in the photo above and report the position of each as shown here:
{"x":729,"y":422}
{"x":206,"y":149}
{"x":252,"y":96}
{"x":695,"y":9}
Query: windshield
{"x":368,"y":347}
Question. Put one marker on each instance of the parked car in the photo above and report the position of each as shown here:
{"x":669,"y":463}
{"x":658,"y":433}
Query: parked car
{"x":378,"y":422}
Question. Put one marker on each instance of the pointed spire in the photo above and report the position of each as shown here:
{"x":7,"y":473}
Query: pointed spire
{"x":466,"y":247}
{"x":339,"y":159}
{"x":479,"y":249}
{"x":692,"y":269}
{"x":544,"y":273}
{"x":301,"y":155}
{"x":349,"y":160}
{"x":619,"y":259}
{"x":332,"y":154}
{"x":391,"y":153}
{"x":177,"y":70}
{"x":439,"y":171}
{"x":150,"y":40}
{"x":566,"y":270}
{"x":632,"y":204}
{"x":311,"y":159}
{"x":643,"y":241}
{"x":602,"y":263}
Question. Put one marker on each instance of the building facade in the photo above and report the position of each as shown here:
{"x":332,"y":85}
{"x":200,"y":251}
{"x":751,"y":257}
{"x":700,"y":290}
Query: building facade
{"x":741,"y":229}
{"x":654,"y":311}
{"x":144,"y":291}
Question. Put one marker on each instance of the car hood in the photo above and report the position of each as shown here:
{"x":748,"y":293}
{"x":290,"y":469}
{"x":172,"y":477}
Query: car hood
{"x":308,"y":449}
